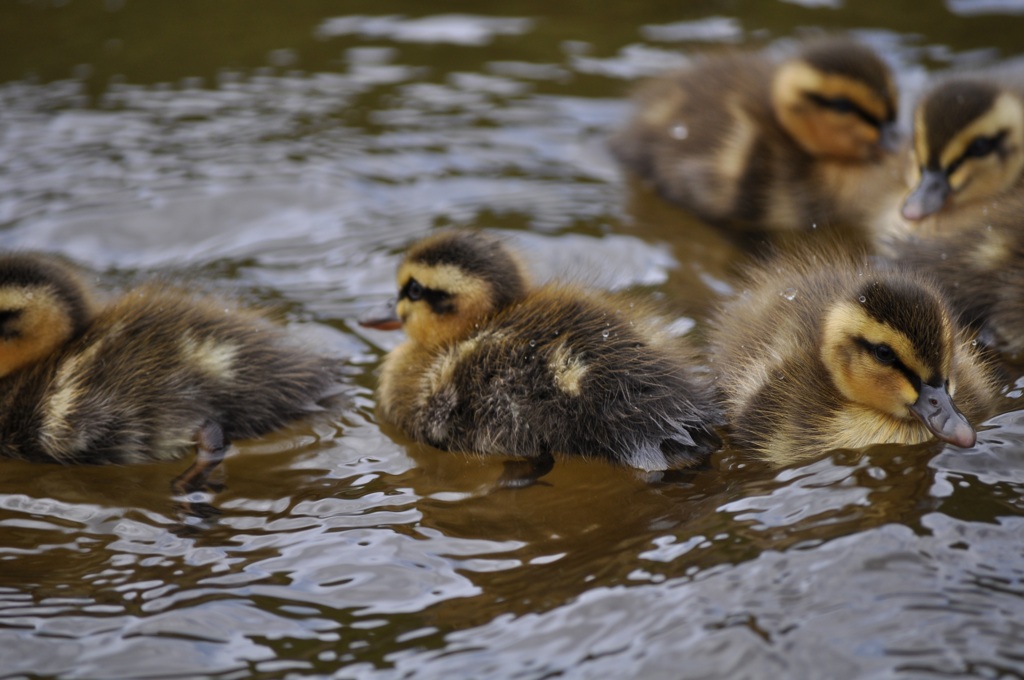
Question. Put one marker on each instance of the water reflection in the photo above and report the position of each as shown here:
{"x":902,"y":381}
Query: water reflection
{"x":291,"y":166}
{"x":713,"y":622}
{"x":458,"y":29}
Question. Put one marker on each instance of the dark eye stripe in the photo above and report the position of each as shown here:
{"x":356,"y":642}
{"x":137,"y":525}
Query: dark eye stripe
{"x":412,"y":290}
{"x":873,"y":349}
{"x":978,"y":148}
{"x":844,"y":105}
{"x":439,"y":300}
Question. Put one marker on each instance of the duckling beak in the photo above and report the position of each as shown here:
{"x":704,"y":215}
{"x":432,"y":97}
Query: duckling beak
{"x":929,"y":195}
{"x":889,"y":138}
{"x":939,"y":414}
{"x":384,"y":317}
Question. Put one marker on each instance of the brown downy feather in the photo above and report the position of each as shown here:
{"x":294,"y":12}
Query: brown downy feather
{"x":744,"y":140}
{"x":968,"y":156}
{"x":800,"y":359}
{"x":981,"y":269}
{"x":528,"y":372}
{"x":146,"y":373}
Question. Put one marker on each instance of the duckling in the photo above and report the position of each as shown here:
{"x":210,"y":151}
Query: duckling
{"x":981,"y":269}
{"x":968,"y":148}
{"x":146,"y":377}
{"x":746,"y":140}
{"x":825,"y":351}
{"x":494,"y":365}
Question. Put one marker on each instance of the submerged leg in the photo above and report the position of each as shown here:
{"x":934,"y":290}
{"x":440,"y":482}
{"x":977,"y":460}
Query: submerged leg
{"x":210,"y":450}
{"x":524,"y":472}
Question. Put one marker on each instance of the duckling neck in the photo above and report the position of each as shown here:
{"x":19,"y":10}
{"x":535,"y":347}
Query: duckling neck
{"x":442,"y":339}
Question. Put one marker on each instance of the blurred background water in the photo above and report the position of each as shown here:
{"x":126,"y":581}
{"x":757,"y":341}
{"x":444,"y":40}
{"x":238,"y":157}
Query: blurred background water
{"x":286,"y":152}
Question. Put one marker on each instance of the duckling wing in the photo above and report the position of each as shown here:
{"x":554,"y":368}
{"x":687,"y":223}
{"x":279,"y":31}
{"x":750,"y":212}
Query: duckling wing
{"x":658,"y":415}
{"x":580,"y":382}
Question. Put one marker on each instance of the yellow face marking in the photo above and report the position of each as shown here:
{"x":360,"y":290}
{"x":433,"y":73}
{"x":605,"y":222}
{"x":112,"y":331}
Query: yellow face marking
{"x":446,"y":277}
{"x":1006,"y":113}
{"x":858,"y":375}
{"x":471,"y":299}
{"x":568,"y":370}
{"x":42,"y":327}
{"x":990,"y":174}
{"x":821,"y":131}
{"x":832,"y":86}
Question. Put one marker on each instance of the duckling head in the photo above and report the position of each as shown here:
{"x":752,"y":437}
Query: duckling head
{"x":42,"y":307}
{"x":447,"y":284}
{"x":837,"y":99}
{"x":890,"y":348}
{"x":968,"y":144}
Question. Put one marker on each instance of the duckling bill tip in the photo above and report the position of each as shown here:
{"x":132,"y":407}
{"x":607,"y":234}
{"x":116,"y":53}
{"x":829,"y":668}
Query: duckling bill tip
{"x":928,"y":197}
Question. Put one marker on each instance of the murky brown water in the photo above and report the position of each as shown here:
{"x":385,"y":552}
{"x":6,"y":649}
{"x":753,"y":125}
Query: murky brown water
{"x":286,"y":152}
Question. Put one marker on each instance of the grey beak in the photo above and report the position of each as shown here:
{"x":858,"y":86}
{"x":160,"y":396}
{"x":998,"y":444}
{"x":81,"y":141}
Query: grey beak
{"x":928,"y":197}
{"x":383,"y":317}
{"x":939,"y":414}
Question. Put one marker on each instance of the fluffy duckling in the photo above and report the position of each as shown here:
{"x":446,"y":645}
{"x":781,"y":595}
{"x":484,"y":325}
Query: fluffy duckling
{"x":492,"y":365}
{"x":147,"y":377}
{"x":826,"y":352}
{"x":968,"y":147}
{"x":746,"y":140}
{"x":981,"y":269}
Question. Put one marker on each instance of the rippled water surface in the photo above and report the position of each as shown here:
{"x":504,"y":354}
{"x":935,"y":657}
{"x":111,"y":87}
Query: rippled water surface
{"x":286,"y":152}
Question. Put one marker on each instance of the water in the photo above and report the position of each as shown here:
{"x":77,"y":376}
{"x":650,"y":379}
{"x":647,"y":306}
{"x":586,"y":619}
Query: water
{"x":285,"y":153}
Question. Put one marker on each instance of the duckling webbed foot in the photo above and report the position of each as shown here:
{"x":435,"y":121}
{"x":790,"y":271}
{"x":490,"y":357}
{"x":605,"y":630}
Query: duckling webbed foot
{"x":210,"y":449}
{"x":525,"y":472}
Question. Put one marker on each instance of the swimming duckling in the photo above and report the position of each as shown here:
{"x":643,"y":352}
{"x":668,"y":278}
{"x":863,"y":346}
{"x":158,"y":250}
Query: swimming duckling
{"x":494,"y":366}
{"x":146,"y":377}
{"x":825,"y":352}
{"x":746,"y":140}
{"x":968,"y":147}
{"x":980,"y":267}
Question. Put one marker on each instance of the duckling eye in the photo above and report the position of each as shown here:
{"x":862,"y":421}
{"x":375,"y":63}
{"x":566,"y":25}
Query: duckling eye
{"x":841,"y":105}
{"x":885,"y":355}
{"x":844,"y":106}
{"x":7,"y":318}
{"x":981,"y":146}
{"x":413,"y":290}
